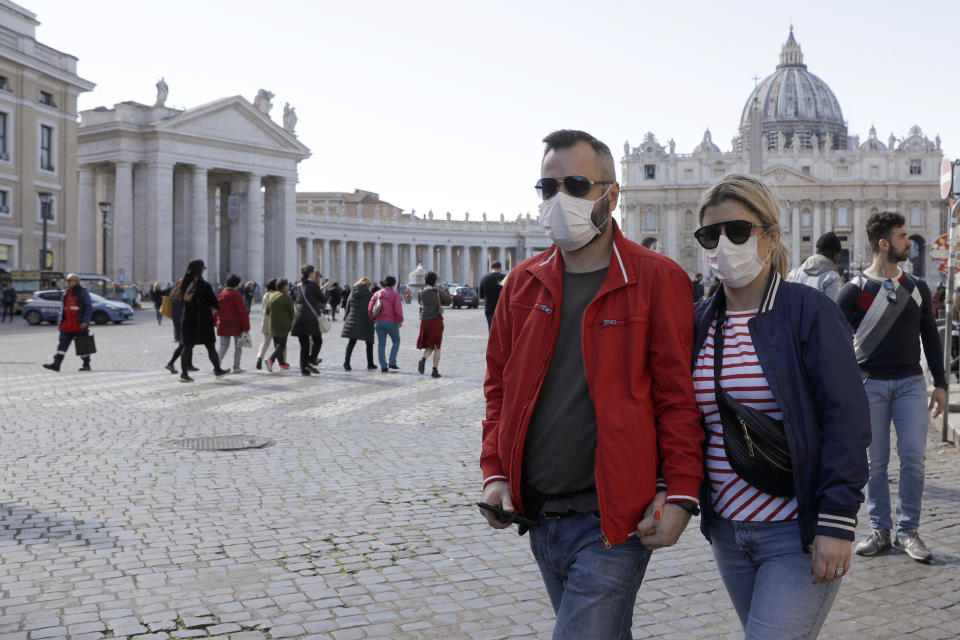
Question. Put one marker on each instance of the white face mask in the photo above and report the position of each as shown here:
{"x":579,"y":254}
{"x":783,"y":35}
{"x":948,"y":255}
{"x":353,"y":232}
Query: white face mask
{"x":567,"y":220}
{"x":736,"y":265}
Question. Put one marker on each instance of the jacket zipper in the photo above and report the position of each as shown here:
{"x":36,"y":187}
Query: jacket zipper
{"x":746,"y":435}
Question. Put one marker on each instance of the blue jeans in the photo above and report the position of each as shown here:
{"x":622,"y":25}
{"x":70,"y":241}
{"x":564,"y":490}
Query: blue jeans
{"x":593,"y":590}
{"x":904,"y":401}
{"x":768,"y":578}
{"x":385,"y":329}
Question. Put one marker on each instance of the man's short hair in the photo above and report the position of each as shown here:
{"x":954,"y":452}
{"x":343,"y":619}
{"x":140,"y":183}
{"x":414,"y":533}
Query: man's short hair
{"x":496,"y":265}
{"x":566,"y":138}
{"x":306,"y":270}
{"x":829,"y":243}
{"x":880,"y":225}
{"x":431,"y":278}
{"x":233,"y":281}
{"x":699,"y":275}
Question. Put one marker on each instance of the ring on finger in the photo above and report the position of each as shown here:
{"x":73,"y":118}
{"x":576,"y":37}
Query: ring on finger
{"x":839,"y":572}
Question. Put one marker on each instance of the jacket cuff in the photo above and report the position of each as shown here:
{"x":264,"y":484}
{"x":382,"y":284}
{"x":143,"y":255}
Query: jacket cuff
{"x":836,"y":525}
{"x":487,"y":480}
{"x":683,"y":488}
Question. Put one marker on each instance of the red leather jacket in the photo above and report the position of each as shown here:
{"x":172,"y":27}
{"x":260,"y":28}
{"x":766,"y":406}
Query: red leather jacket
{"x":637,"y":345}
{"x":232,"y":318}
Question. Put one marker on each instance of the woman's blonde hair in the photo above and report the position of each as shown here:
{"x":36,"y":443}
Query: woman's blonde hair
{"x":365,"y":281}
{"x":755,"y":196}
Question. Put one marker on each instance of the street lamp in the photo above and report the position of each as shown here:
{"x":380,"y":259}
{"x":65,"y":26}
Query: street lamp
{"x":46,"y":214}
{"x":105,"y":210}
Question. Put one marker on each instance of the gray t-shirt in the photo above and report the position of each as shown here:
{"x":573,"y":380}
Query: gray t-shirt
{"x":558,"y":456}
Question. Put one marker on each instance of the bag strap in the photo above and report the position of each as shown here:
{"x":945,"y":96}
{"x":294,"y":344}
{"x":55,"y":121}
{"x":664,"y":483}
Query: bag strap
{"x":721,"y":395}
{"x":303,"y":296}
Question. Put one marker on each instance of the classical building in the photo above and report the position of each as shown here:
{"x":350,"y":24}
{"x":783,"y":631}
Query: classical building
{"x":38,"y":145}
{"x":216,"y":182}
{"x":792,"y":133}
{"x":350,"y":235}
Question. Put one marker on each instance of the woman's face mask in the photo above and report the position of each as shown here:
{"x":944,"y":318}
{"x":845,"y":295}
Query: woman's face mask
{"x":736,"y":265}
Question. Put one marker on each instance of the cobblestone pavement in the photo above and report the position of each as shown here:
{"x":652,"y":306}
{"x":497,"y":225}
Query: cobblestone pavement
{"x":357,"y":523}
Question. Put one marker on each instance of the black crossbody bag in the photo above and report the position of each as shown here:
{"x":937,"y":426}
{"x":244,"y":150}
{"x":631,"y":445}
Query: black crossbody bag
{"x":755,"y":443}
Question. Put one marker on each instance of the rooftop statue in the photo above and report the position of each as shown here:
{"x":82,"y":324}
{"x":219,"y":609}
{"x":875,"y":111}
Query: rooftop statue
{"x":262,"y":101}
{"x":289,"y":118}
{"x":162,"y":92}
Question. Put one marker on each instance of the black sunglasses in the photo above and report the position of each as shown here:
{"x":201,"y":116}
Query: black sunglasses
{"x":738,"y":231}
{"x":577,"y":186}
{"x":891,"y":292}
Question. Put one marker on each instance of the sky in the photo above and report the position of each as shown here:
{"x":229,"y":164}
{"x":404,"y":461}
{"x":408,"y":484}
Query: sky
{"x":442,"y":105}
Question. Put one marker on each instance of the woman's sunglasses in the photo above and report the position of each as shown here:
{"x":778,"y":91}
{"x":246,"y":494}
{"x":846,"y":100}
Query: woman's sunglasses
{"x":737,"y":231}
{"x":577,"y":186}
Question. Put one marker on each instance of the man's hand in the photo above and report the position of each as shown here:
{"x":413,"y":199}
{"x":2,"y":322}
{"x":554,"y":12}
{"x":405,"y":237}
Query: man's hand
{"x":938,"y":401}
{"x":829,"y":553}
{"x":497,"y":492}
{"x":673,"y":520}
{"x":651,"y":516}
{"x":85,"y":325}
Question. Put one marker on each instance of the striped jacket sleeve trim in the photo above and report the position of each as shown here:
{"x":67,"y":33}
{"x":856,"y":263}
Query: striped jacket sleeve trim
{"x":836,"y":526}
{"x":490,"y":479}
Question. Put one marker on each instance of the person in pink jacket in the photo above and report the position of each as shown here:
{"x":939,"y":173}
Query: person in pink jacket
{"x":232,"y":320}
{"x":387,"y":322}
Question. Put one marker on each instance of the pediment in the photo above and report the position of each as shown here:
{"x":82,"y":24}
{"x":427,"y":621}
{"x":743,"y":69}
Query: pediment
{"x":233,"y":120}
{"x":781,"y":174}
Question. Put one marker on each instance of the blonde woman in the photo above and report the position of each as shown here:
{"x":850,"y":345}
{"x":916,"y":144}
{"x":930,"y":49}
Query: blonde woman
{"x":781,"y":362}
{"x":265,"y":321}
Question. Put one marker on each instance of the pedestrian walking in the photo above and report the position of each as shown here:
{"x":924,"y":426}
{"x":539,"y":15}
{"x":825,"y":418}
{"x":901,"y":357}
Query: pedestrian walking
{"x":357,"y":324}
{"x":431,"y":299}
{"x":197,"y":322}
{"x":271,"y":290}
{"x":590,"y":398}
{"x":248,"y":290}
{"x":75,"y":310}
{"x":308,"y":305}
{"x":156,"y":296}
{"x":177,"y":321}
{"x":891,"y":314}
{"x":820,"y":270}
{"x":333,"y":297}
{"x":233,"y":320}
{"x":280,"y":308}
{"x":490,"y":287}
{"x":786,"y":419}
{"x":9,"y":300}
{"x":386,"y":311}
{"x":344,"y":296}
{"x":698,"y":288}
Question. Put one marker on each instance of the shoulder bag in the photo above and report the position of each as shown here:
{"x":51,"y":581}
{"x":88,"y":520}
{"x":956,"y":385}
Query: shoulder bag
{"x":84,"y":343}
{"x":323,"y":322}
{"x":755,"y":443}
{"x":377,"y":306}
{"x":166,"y":306}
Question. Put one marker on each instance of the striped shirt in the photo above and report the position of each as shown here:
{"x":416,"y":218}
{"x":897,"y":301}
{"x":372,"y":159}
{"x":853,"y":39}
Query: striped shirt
{"x":732,"y":497}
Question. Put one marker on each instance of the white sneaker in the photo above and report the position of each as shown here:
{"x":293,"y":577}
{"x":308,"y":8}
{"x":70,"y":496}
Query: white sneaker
{"x":238,"y":369}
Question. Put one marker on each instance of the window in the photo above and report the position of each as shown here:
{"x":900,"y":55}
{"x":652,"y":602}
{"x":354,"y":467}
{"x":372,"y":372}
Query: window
{"x":650,"y":220}
{"x":843,"y":217}
{"x":650,"y":171}
{"x":803,"y":139}
{"x":3,"y":137}
{"x":4,"y":254}
{"x":805,"y":170}
{"x":874,"y":171}
{"x":772,"y":142}
{"x":46,"y":147}
{"x":46,"y":205}
{"x":47,"y":98}
{"x":915,"y":168}
{"x":688,"y":174}
{"x":806,"y":219}
{"x":4,"y":86}
{"x":51,"y":295}
{"x":4,"y":202}
{"x":843,"y":172}
{"x":916,"y":217}
{"x":718,"y":172}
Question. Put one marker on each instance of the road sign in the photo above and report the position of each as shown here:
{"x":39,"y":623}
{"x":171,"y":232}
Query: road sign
{"x":946,"y":178}
{"x":940,"y":253}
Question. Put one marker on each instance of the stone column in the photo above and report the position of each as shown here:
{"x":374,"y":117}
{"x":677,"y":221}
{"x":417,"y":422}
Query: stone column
{"x":253,"y":218}
{"x":310,"y":253}
{"x":141,"y":223}
{"x":859,"y":234}
{"x":122,"y":225}
{"x":342,"y":262}
{"x":200,"y":216}
{"x":795,"y":235}
{"x":378,"y":273}
{"x":447,"y":275}
{"x":816,"y":224}
{"x":85,"y":230}
{"x":671,"y":248}
{"x":212,"y":258}
{"x":325,"y":267}
{"x":160,"y":212}
{"x":464,"y":275}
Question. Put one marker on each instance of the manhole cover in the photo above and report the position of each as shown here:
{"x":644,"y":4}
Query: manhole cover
{"x":221,"y":443}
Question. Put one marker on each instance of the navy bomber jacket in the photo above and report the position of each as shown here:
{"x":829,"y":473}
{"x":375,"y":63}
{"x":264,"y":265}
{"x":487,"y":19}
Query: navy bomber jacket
{"x":805,"y":349}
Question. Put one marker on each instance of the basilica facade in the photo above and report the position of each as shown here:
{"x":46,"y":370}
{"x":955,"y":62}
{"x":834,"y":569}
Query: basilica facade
{"x":792,"y":134}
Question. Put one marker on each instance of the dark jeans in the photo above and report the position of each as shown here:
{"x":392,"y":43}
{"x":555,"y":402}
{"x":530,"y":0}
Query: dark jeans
{"x":308,"y":354}
{"x":351,"y":344}
{"x":489,"y":318}
{"x":156,"y":308}
{"x":176,"y":353}
{"x":280,"y":345}
{"x":7,"y":309}
{"x":66,"y":337}
{"x":186,"y":358}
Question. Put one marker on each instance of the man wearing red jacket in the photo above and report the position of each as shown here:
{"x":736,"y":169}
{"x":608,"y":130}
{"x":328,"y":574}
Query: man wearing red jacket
{"x":75,"y":313}
{"x":592,"y":432}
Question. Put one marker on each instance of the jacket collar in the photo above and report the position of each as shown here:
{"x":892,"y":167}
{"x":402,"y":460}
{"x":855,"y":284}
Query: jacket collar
{"x":549,"y":270}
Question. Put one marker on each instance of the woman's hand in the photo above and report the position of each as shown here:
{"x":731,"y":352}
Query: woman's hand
{"x":828,"y":555}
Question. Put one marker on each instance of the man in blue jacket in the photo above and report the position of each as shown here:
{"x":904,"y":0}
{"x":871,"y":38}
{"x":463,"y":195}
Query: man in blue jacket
{"x":891,"y":312}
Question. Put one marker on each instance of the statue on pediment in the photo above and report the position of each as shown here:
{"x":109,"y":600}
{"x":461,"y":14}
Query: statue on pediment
{"x":781,"y":141}
{"x":828,"y":145}
{"x":765,"y":142}
{"x":162,"y":92}
{"x":815,"y":142}
{"x":673,"y":146}
{"x":262,"y":101}
{"x":289,"y":118}
{"x":891,"y":141}
{"x":626,"y":147}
